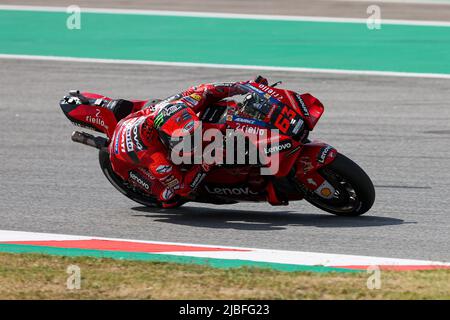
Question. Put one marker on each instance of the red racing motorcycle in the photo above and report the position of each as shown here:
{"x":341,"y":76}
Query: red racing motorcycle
{"x":309,"y":170}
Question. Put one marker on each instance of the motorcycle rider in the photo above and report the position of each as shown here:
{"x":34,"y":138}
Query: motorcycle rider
{"x":142,"y":141}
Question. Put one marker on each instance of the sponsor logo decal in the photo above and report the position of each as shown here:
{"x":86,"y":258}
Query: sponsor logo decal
{"x":189,"y":126}
{"x":244,"y":120}
{"x":323,"y":153}
{"x":116,"y":142}
{"x":171,"y":109}
{"x":159,"y":120}
{"x":248,"y":121}
{"x":95,"y":120}
{"x":231,"y":191}
{"x":251,"y":129}
{"x":167,"y":194}
{"x":198,"y":178}
{"x":140,"y":180}
{"x":164,"y":169}
{"x":286,"y":145}
{"x":171,"y":182}
{"x":196,"y":96}
{"x":298,"y":126}
{"x":167,"y":111}
{"x":122,"y":146}
{"x":223,"y":84}
{"x":191,"y":101}
{"x":270,"y":91}
{"x":326,"y":192}
{"x":171,"y":98}
{"x":136,"y":137}
{"x":128,"y":141}
{"x":302,"y":105}
{"x":130,"y":135}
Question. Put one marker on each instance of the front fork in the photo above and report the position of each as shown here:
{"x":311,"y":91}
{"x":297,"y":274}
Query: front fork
{"x":312,"y":157}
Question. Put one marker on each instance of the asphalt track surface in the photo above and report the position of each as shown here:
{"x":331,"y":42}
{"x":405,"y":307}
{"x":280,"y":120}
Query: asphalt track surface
{"x":397,"y":129}
{"x":320,"y":8}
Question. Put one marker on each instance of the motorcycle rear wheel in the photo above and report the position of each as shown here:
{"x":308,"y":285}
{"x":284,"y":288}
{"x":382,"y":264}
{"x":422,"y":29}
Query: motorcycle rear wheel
{"x":355,"y":193}
{"x":121,"y":185}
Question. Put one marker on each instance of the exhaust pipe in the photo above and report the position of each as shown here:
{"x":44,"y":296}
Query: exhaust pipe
{"x":89,"y":140}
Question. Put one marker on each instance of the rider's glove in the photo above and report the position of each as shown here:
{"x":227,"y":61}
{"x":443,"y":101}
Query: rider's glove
{"x":262,"y":80}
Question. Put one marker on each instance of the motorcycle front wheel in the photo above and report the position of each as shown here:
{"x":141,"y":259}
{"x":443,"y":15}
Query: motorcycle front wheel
{"x":355,"y":193}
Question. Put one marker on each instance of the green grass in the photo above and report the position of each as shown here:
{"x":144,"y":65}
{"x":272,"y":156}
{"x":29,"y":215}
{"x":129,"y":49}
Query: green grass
{"x":36,"y":276}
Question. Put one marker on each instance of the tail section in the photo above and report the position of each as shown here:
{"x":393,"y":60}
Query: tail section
{"x":95,"y":112}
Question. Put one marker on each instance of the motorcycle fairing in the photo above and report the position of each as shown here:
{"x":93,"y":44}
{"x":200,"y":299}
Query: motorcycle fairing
{"x":285,"y":105}
{"x":312,"y":157}
{"x":95,"y":112}
{"x":311,"y":108}
{"x":229,"y":184}
{"x":308,"y":106}
{"x":91,"y":117}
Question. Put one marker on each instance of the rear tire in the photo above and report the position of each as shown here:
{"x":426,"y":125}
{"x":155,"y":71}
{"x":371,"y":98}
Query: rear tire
{"x":120,"y":185}
{"x":355,"y":193}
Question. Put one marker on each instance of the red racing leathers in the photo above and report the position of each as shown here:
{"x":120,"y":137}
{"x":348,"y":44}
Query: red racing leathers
{"x":138,"y":155}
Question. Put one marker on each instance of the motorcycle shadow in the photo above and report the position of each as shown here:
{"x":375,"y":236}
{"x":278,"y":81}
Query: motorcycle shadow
{"x":258,"y":220}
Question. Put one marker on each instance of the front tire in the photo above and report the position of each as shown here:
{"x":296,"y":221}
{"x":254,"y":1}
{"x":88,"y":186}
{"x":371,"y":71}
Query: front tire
{"x":355,"y":193}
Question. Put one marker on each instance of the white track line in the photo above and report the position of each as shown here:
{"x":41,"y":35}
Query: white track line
{"x":424,"y":2}
{"x":229,"y":66}
{"x":227,"y":15}
{"x":250,"y":254}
